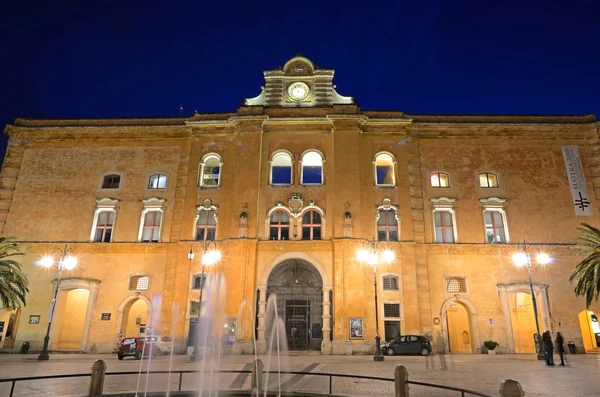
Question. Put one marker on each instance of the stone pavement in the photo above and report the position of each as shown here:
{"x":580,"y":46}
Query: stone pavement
{"x":482,"y":373}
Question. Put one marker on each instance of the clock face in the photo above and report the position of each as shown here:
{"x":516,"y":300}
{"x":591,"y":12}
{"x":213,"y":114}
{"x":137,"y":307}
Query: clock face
{"x":298,"y":91}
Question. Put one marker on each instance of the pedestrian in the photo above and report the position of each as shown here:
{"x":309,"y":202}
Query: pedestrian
{"x":560,"y":348}
{"x":548,"y":348}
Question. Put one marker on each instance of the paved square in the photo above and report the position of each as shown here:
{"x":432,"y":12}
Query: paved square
{"x":480,"y":373}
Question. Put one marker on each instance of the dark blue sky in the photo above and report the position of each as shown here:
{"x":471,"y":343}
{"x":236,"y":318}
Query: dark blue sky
{"x":144,"y":59}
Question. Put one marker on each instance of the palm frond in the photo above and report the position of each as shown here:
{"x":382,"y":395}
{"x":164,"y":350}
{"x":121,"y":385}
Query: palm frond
{"x":14,"y":285}
{"x":586,"y":273}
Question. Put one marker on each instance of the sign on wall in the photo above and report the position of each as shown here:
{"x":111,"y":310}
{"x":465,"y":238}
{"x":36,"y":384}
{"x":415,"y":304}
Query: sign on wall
{"x":105,"y":317}
{"x":579,"y":192}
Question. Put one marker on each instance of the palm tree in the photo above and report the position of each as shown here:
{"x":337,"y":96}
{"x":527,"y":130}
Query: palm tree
{"x":13,"y":282}
{"x":587,"y":272}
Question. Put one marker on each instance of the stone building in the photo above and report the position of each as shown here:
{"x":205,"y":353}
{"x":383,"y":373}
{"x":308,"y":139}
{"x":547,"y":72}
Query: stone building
{"x":291,"y":186}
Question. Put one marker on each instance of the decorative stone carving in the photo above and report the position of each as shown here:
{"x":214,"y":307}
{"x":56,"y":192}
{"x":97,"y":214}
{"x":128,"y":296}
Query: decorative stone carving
{"x":207,"y":205}
{"x":243,"y":228}
{"x":347,"y":220}
{"x":296,"y":203}
{"x":387,"y":206}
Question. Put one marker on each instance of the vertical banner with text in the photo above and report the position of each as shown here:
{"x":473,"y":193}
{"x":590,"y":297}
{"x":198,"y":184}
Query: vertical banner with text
{"x":579,"y":192}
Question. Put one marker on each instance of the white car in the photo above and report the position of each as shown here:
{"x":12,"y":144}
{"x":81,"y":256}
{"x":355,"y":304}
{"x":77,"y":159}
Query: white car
{"x":163,"y":344}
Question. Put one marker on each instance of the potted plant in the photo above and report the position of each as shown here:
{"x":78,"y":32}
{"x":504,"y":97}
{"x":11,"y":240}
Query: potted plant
{"x":490,"y":345}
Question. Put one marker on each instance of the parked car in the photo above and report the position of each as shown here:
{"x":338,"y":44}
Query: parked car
{"x":135,"y":347}
{"x":162,"y":344}
{"x":407,"y":344}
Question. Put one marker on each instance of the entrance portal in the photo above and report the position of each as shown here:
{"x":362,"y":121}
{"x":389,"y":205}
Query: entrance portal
{"x":135,"y":318}
{"x":459,"y":329}
{"x":70,"y":315}
{"x":590,"y":330}
{"x":523,"y":321}
{"x":299,"y":290}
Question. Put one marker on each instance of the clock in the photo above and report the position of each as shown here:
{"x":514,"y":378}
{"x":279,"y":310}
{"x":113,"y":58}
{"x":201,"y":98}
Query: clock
{"x":298,"y":91}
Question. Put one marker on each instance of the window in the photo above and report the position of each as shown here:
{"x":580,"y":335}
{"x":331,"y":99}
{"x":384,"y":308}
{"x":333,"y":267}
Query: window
{"x":194,"y":309}
{"x":311,"y":225}
{"x":206,"y":226}
{"x":444,"y":226}
{"x":439,"y":179}
{"x":387,"y":226}
{"x":111,"y":181}
{"x":455,"y":285}
{"x":384,"y":170}
{"x":279,"y":226}
{"x":391,"y":283}
{"x":281,"y":169}
{"x":151,"y":228}
{"x":104,"y":226}
{"x":488,"y":179}
{"x":210,"y":170}
{"x":312,"y":168}
{"x":391,"y":310}
{"x":139,"y":283}
{"x":494,"y":226}
{"x":198,"y":281}
{"x":157,"y":181}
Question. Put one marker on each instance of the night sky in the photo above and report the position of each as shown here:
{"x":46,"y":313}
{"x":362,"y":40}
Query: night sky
{"x":146,"y":58}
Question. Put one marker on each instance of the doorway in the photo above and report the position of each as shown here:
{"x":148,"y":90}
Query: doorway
{"x":8,"y":323}
{"x":299,"y":290}
{"x":69,"y":319}
{"x":523,"y":321}
{"x":135,"y":318}
{"x":459,"y":328}
{"x":590,"y":330}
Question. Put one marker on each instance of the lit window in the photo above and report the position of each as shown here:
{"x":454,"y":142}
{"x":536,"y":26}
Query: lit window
{"x":439,"y":179}
{"x":198,"y":281}
{"x":210,"y":170}
{"x":157,"y":181}
{"x":112,"y":181}
{"x":444,"y":226}
{"x":139,"y":283}
{"x":194,"y":309}
{"x":151,"y":228}
{"x":391,"y":310}
{"x":104,"y":226}
{"x":455,"y":285}
{"x":312,"y":169}
{"x":281,"y":169}
{"x":311,"y":225}
{"x":390,"y":283}
{"x":384,"y":170}
{"x":206,"y":226}
{"x":387,"y":226}
{"x":488,"y":179}
{"x":279,"y":226}
{"x":494,"y":226}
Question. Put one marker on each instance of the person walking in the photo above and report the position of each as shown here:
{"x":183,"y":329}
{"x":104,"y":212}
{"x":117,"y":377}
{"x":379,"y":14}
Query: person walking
{"x":548,"y":348}
{"x":560,"y":348}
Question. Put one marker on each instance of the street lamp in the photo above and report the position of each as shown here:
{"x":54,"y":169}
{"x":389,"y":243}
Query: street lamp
{"x":523,"y":258}
{"x":210,"y":256}
{"x":369,"y":255}
{"x":67,"y":261}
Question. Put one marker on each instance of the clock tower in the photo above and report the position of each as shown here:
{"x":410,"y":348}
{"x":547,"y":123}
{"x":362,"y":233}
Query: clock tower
{"x":298,"y":83}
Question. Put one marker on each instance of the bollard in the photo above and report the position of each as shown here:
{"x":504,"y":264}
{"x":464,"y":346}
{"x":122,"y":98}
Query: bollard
{"x":401,"y":377}
{"x":511,"y":388}
{"x":97,"y":382}
{"x":257,"y":376}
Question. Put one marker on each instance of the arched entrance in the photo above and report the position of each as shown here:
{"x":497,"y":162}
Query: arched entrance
{"x":459,"y":324}
{"x":8,"y":327}
{"x":519,"y":316}
{"x":73,"y":314}
{"x":590,"y":330}
{"x":133,"y":316}
{"x":299,"y":290}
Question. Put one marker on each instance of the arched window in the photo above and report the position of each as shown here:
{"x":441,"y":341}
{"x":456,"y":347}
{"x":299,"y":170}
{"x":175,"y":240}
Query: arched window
{"x":387,"y":226}
{"x":206,"y":226}
{"x":281,"y":169}
{"x":439,"y":179}
{"x":279,"y":226}
{"x":311,"y":225}
{"x":157,"y":181}
{"x":210,"y":170}
{"x":312,"y":168}
{"x":384,"y":170}
{"x":488,"y":179}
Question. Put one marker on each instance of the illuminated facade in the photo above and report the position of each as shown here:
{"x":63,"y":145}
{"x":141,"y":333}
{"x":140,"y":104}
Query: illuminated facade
{"x":290,"y":186}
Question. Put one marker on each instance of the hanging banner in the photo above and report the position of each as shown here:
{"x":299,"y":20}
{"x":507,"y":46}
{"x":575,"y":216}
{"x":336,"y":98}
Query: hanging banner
{"x":579,"y":192}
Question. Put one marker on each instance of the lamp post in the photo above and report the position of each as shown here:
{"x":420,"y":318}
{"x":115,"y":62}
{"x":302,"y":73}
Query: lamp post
{"x":523,"y":258}
{"x":369,"y":255}
{"x":210,"y":256}
{"x":67,"y":261}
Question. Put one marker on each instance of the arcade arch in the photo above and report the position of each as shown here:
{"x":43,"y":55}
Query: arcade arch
{"x":459,"y":325}
{"x":134,"y":315}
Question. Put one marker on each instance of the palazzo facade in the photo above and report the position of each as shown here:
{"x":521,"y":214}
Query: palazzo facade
{"x":290,"y":187}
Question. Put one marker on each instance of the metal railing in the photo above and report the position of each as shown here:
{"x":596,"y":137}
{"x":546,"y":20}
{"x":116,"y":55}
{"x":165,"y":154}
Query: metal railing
{"x":180,"y":373}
